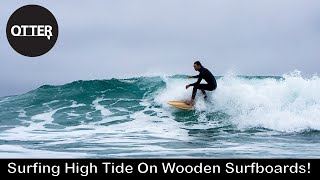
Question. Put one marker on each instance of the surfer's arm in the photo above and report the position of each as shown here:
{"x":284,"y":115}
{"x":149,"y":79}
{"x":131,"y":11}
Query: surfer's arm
{"x":198,"y":82}
{"x":193,"y":76}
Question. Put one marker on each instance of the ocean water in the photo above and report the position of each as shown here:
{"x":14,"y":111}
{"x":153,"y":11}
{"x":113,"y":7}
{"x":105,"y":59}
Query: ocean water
{"x":246,"y":117}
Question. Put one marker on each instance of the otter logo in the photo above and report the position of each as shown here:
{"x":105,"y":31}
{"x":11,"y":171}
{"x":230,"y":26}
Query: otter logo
{"x":42,"y":30}
{"x":32,"y":30}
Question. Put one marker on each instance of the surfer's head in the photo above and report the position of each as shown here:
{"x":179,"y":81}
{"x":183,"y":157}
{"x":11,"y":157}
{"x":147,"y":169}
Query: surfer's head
{"x":197,"y":65}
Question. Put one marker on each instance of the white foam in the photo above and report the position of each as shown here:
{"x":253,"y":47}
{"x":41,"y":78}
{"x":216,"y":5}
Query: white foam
{"x":174,"y":90}
{"x":291,"y":104}
{"x":131,"y":81}
{"x":48,"y":103}
{"x":47,"y":116}
{"x":75,"y":104}
{"x":22,"y":113}
{"x":15,"y":151}
{"x":73,"y":114}
{"x":98,"y":107}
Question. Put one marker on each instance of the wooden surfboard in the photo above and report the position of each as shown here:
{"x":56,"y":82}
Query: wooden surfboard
{"x":180,"y":105}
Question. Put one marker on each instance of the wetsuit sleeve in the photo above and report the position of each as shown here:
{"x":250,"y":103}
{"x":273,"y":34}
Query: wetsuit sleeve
{"x":199,"y":80}
{"x":197,"y":76}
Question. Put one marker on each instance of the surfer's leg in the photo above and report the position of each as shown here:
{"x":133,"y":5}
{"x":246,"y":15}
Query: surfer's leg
{"x":204,"y":87}
{"x":194,"y":91}
{"x":204,"y":93}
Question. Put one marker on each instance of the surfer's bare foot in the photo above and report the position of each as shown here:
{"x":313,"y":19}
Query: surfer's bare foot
{"x":189,"y":102}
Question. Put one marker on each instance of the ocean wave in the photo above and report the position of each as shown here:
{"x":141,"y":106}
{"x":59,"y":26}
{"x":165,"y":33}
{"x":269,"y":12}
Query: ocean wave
{"x":288,"y":103}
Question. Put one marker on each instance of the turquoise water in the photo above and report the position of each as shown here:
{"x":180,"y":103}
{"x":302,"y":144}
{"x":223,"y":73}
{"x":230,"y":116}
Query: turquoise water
{"x":246,"y":117}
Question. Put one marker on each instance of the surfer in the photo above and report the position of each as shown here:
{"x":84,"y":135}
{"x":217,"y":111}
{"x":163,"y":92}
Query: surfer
{"x":205,"y":74}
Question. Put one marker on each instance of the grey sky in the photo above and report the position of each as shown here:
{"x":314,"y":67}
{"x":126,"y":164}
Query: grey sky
{"x":123,"y":38}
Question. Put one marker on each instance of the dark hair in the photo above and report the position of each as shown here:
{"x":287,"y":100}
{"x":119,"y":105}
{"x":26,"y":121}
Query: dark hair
{"x":198,"y":63}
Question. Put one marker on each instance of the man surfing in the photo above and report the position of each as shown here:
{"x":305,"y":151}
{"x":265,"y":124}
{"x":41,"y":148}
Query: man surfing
{"x":205,"y":74}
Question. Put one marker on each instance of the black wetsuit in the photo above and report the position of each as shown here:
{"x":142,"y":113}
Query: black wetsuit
{"x":208,"y":77}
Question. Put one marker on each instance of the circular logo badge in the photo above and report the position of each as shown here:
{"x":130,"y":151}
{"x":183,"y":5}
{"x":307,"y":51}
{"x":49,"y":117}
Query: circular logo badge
{"x":32,"y":30}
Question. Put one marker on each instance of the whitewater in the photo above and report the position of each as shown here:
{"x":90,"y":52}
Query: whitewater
{"x":245,"y":117}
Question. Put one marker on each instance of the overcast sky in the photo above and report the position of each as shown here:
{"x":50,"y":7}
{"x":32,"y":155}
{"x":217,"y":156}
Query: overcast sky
{"x":123,"y":38}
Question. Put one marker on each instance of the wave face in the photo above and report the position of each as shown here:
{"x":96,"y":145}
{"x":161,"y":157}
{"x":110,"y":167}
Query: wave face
{"x":247,"y":116}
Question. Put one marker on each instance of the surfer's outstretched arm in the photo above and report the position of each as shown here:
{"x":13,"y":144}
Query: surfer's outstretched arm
{"x":193,"y":76}
{"x":198,"y":82}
